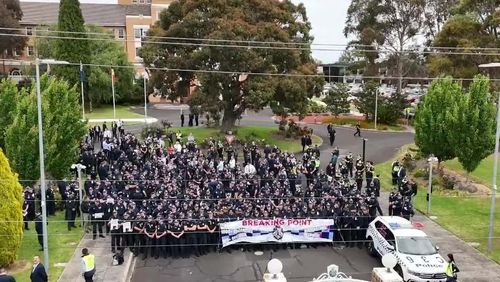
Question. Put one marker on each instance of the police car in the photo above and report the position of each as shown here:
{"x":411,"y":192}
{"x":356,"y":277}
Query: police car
{"x":418,"y":258}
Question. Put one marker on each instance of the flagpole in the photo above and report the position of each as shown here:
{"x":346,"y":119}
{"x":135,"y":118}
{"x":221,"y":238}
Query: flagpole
{"x":113,"y":91}
{"x":81,"y":88}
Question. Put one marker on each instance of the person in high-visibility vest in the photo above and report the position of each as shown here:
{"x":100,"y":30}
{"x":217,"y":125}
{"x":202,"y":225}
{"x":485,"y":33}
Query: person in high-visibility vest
{"x":451,"y":269}
{"x":88,"y":265}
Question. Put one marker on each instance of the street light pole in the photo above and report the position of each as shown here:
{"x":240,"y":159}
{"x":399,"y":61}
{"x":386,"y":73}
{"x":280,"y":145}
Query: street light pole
{"x":43,"y":187}
{"x":42,"y":167}
{"x":376,"y":107}
{"x":429,"y":190}
{"x":494,"y":180}
{"x":145,"y":98}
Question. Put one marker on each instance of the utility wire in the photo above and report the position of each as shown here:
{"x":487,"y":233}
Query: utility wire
{"x":255,"y":73}
{"x":252,"y":47}
{"x":245,"y":41}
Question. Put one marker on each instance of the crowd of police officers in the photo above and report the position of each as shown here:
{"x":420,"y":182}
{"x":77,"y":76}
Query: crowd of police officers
{"x":167,"y":199}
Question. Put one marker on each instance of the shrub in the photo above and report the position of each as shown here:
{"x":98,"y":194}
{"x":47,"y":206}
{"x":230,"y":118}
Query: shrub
{"x":421,"y":173}
{"x":11,"y":225}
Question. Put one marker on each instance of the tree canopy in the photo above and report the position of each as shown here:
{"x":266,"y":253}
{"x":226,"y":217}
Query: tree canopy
{"x":98,"y":81}
{"x":8,"y":96}
{"x":226,"y":70}
{"x":11,"y":225}
{"x":336,"y":99}
{"x":10,"y":15}
{"x":62,"y":128}
{"x":432,"y":120}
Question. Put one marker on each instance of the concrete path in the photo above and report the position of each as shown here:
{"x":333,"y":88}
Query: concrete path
{"x":105,"y":271}
{"x":125,"y":120}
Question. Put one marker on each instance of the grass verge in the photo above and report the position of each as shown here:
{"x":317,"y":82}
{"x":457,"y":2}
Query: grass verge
{"x":466,"y":216}
{"x":268,"y":133}
{"x":483,"y":173}
{"x":107,"y":113}
{"x":62,"y":245}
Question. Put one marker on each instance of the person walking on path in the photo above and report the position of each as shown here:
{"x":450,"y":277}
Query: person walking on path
{"x":88,"y":265}
{"x":4,"y":277}
{"x":451,"y":269}
{"x":358,"y":129}
{"x":38,"y":273}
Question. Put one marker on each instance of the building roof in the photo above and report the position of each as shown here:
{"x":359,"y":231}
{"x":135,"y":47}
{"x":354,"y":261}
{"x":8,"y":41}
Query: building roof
{"x":107,"y":15}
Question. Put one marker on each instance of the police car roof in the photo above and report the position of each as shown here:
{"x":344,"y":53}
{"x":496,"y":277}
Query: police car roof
{"x":401,"y":227}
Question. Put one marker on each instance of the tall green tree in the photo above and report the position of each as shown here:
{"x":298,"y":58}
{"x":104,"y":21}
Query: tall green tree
{"x":433,"y":122}
{"x":62,"y":128}
{"x":8,"y":96}
{"x":337,"y":99}
{"x":256,"y":20}
{"x":10,"y":16}
{"x":473,"y":124}
{"x":474,"y":24}
{"x":98,"y":82}
{"x":11,"y":225}
{"x":21,"y":138}
{"x":67,"y":47}
{"x":366,"y":100}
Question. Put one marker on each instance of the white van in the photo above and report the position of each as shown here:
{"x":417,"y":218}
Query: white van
{"x":418,"y":257}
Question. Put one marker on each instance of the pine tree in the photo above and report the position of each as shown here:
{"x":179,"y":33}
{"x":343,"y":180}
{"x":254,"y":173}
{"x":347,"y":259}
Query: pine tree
{"x":337,"y":99}
{"x":11,"y":225}
{"x":71,"y":50}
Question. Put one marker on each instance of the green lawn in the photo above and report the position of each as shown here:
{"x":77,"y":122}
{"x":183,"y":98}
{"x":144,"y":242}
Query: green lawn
{"x":465,"y":216}
{"x":256,"y":132}
{"x":107,"y":112}
{"x":62,"y":245}
{"x":482,"y":174}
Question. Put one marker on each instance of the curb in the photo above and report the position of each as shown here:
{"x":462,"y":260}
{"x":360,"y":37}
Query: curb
{"x":129,"y":267}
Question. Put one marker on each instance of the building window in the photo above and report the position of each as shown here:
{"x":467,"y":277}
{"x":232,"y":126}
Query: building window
{"x":121,"y":33}
{"x":137,"y":51}
{"x":31,"y":51}
{"x":134,"y":1}
{"x":15,"y":53}
{"x":140,"y":33}
{"x":29,"y":31}
{"x":142,"y":1}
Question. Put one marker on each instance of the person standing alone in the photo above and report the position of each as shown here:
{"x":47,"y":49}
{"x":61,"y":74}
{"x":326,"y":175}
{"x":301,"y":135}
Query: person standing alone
{"x":88,"y":265}
{"x":38,"y":273}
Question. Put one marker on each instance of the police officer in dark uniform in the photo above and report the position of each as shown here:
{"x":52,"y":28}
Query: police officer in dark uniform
{"x":127,"y":233}
{"x":191,"y":235}
{"x":97,"y":214}
{"x":407,"y":209}
{"x":149,"y":235}
{"x":138,"y":227}
{"x":213,"y":232}
{"x":71,"y":206}
{"x":176,"y":232}
{"x":51,"y":204}
{"x":349,"y":163}
{"x":161,"y":239}
{"x":116,"y":231}
{"x":202,"y":234}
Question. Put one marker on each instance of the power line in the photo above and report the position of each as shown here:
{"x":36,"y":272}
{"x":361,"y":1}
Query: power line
{"x":257,"y":73}
{"x":252,"y":47}
{"x":250,"y":41}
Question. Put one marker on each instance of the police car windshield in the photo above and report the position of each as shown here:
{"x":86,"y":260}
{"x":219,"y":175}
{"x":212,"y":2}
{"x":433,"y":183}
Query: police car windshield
{"x":415,"y":246}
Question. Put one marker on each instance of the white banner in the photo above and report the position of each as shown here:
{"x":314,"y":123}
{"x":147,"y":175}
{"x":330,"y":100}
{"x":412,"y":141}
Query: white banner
{"x":282,"y":230}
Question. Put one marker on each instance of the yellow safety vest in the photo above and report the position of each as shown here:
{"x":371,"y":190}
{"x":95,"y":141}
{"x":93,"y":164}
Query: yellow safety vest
{"x":89,"y":261}
{"x":317,"y":163}
{"x":449,"y":269}
{"x":396,"y":169}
